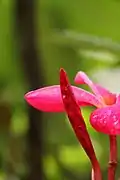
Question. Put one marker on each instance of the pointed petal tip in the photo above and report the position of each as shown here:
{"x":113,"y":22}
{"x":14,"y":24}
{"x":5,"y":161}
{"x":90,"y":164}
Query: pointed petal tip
{"x":28,"y":95}
{"x":31,"y":95}
{"x":62,"y":71}
{"x":63,"y":78}
{"x":47,"y":99}
{"x":79,"y":78}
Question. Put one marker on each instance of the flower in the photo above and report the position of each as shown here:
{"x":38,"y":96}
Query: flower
{"x":70,"y":105}
{"x":105,"y":119}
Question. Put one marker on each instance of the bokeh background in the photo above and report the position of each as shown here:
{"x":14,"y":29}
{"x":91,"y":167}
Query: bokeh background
{"x":37,"y":37}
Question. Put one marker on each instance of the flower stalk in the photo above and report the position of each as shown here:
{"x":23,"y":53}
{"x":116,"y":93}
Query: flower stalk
{"x":112,"y":157}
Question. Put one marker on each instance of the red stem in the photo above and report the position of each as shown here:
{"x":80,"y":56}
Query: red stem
{"x":113,"y":157}
{"x":96,"y":171}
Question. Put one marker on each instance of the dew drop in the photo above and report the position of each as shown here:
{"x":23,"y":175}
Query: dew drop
{"x":116,"y":122}
{"x":64,"y":96}
{"x":95,"y":116}
{"x":104,"y":122}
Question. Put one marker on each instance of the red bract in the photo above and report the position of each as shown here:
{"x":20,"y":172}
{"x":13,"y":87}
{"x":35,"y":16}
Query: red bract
{"x":105,"y":119}
{"x":74,"y":114}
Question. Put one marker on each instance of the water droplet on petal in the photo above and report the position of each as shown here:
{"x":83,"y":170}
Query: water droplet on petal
{"x":116,"y":122}
{"x":64,"y":96}
{"x":104,"y":122}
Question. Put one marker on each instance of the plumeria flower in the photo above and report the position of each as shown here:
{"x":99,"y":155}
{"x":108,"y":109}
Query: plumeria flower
{"x":65,"y":101}
{"x":105,"y":119}
{"x":69,"y":99}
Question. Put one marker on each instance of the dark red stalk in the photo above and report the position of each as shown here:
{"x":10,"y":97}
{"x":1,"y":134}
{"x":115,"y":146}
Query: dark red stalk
{"x":75,"y":117}
{"x":113,"y":158}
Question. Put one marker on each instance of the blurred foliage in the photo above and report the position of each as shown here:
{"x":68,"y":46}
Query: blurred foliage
{"x":76,"y":35}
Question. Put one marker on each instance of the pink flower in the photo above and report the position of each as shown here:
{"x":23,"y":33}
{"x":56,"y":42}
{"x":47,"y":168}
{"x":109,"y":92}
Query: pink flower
{"x":105,"y":119}
{"x":66,"y":101}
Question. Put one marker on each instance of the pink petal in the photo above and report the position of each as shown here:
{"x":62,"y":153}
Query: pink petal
{"x":118,"y":99}
{"x":49,"y":98}
{"x":105,"y":96}
{"x":106,"y":120}
{"x":109,"y":98}
{"x":82,"y":78}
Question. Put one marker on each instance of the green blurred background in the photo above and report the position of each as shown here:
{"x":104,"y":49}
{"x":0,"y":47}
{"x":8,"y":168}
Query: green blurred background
{"x":37,"y":37}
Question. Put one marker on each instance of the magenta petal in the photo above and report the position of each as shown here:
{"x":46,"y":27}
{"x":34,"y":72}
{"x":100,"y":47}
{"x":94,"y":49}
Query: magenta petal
{"x":118,"y":99}
{"x":109,"y":98}
{"x":49,"y":98}
{"x":82,"y":78}
{"x":102,"y":93}
{"x":106,"y":120}
{"x":46,"y":99}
